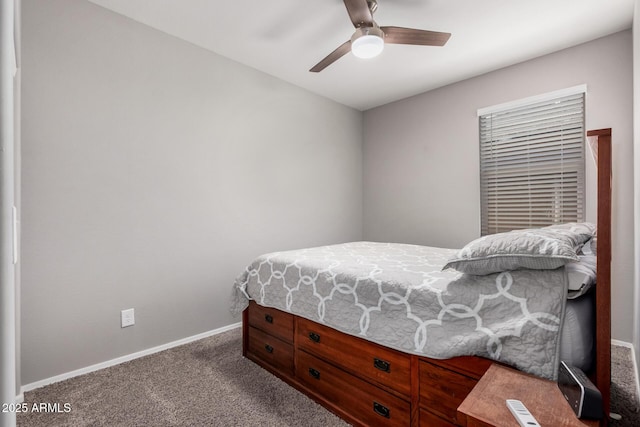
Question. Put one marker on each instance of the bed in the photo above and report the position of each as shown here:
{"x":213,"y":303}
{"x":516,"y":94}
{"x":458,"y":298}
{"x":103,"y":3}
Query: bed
{"x":396,"y":334}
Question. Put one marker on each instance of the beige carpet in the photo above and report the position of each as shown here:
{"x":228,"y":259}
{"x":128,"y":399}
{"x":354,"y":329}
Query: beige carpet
{"x":204,"y":383}
{"x":208,"y":383}
{"x":624,"y":399}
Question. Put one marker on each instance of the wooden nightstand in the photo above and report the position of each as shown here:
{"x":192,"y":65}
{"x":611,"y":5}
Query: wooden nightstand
{"x":486,"y":405}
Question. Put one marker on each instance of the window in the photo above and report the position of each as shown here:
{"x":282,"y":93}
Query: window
{"x":532,"y":162}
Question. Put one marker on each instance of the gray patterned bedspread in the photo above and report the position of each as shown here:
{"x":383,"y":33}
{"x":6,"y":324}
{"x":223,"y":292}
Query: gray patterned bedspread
{"x":396,"y":295}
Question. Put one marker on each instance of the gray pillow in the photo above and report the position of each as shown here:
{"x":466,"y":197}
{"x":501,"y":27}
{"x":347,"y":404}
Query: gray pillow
{"x":545,"y":248}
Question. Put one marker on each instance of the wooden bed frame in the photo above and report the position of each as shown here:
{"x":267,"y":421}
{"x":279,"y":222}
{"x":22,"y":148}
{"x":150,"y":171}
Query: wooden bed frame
{"x":368,"y":384}
{"x":602,"y":373}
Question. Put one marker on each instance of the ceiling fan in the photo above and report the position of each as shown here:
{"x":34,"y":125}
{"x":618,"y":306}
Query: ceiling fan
{"x":369,"y":38}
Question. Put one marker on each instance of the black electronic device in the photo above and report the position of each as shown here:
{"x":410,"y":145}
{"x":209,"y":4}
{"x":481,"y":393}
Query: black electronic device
{"x":583,"y":396}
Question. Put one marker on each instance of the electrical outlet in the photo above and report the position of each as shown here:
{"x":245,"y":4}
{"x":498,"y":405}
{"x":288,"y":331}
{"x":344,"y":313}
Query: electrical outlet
{"x":127,"y":318}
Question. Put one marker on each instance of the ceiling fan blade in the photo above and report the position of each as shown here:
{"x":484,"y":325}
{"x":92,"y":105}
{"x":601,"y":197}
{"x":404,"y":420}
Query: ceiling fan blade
{"x":343,"y":49}
{"x":359,"y":13}
{"x":400,"y":35}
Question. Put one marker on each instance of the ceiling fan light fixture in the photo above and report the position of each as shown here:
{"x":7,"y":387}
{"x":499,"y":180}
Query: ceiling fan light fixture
{"x":369,"y":39}
{"x":367,"y":42}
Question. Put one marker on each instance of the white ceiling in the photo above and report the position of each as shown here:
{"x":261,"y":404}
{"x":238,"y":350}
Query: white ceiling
{"x":285,"y":38}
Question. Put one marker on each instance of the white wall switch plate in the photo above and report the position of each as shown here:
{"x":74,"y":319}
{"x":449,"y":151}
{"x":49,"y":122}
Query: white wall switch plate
{"x":127,"y":318}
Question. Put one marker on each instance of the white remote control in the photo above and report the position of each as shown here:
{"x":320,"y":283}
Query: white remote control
{"x":522,"y":414}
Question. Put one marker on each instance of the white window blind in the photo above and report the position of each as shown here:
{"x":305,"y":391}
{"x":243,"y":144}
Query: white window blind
{"x":532,"y":164}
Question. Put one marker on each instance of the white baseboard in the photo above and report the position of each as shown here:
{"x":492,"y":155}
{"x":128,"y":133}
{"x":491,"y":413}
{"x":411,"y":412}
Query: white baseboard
{"x":20,"y":398}
{"x":633,"y":361}
{"x":622,"y":343}
{"x":122,"y":359}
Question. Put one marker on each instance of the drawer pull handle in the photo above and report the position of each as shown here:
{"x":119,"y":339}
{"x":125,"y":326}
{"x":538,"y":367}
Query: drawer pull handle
{"x":268,"y":318}
{"x":314,"y":337}
{"x":315,"y":374}
{"x":382,"y":365}
{"x":268,"y":348}
{"x":381,"y":410}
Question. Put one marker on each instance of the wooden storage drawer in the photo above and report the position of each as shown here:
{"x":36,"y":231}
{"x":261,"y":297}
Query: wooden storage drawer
{"x":272,"y":321}
{"x":385,"y":366}
{"x":367,"y":403}
{"x":442,"y":390}
{"x":470,"y":366}
{"x":275,"y":352}
{"x":427,"y":419}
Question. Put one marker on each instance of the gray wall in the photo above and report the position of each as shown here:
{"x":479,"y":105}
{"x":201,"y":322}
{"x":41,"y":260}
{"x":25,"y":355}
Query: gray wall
{"x":153,"y":173}
{"x":421,"y":178}
{"x":636,"y":162}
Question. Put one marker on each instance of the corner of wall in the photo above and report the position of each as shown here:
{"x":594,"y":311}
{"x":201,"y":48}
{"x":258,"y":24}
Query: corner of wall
{"x":17,"y":185}
{"x":8,"y":65}
{"x":636,"y":162}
